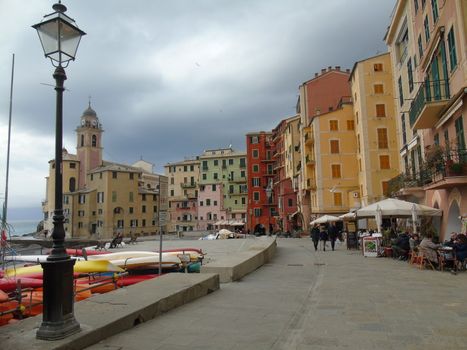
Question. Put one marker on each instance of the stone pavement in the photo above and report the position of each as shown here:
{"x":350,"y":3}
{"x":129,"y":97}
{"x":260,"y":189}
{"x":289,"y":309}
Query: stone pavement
{"x":323,"y":300}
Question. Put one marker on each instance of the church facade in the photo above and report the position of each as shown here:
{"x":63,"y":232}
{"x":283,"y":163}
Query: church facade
{"x":101,"y":198}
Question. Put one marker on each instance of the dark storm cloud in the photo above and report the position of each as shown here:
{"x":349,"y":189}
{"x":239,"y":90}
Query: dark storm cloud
{"x":170,"y":79}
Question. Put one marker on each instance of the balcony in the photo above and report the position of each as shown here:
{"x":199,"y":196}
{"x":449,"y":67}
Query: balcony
{"x":444,"y":170}
{"x":188,"y":185}
{"x":431,"y":98}
{"x":309,"y":159}
{"x":311,"y":184}
{"x":308,"y":138}
{"x":299,"y":166}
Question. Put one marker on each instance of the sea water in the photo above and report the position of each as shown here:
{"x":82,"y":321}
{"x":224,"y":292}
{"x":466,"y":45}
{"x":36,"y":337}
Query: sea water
{"x":22,"y":227}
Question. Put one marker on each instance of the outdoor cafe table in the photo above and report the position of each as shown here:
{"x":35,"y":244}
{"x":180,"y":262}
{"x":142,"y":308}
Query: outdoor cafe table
{"x":445,"y":255}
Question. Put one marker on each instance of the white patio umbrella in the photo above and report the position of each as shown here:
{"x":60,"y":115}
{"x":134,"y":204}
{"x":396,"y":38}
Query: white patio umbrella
{"x":397,"y":208}
{"x":324,"y":219}
{"x":348,"y":216}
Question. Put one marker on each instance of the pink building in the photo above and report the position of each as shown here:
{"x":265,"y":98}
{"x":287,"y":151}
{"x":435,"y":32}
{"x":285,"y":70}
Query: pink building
{"x":210,"y":202}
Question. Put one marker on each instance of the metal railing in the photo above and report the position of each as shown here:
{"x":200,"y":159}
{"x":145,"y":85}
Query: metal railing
{"x":429,"y":91}
{"x":447,"y":164}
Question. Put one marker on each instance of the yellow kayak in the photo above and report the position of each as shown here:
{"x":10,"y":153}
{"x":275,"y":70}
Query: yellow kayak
{"x":81,"y":266}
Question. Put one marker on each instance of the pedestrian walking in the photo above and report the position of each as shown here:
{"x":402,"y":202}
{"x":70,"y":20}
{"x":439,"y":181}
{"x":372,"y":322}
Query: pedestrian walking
{"x":315,"y":235}
{"x":323,"y":236}
{"x":333,"y":233}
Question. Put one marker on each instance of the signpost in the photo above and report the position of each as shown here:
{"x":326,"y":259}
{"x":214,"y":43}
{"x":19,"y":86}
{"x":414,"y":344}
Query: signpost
{"x":162,"y":218}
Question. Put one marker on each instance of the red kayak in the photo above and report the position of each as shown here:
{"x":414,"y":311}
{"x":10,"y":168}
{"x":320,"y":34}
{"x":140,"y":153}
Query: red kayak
{"x":9,"y":284}
{"x":79,"y":252}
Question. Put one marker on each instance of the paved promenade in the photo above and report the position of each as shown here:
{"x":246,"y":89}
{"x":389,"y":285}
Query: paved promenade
{"x":308,"y":300}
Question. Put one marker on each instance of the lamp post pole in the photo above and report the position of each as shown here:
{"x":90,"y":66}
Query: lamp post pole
{"x":60,"y":39}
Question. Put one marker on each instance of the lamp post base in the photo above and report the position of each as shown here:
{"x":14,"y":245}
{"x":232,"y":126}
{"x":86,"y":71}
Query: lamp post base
{"x":58,"y":320}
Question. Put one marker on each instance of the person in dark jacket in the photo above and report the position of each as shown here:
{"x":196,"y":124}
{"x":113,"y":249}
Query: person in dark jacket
{"x":333,"y":233}
{"x":323,"y":236}
{"x":315,"y":235}
{"x":460,"y":247}
{"x":401,"y":246}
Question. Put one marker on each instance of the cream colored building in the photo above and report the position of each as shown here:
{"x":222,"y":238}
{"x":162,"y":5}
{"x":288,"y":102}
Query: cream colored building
{"x":101,"y":198}
{"x":183,"y":180}
{"x":375,"y":121}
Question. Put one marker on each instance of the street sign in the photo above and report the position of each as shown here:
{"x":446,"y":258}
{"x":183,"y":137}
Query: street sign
{"x":162,"y":218}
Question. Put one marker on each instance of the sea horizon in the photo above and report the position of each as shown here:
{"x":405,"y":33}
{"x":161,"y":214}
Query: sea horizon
{"x":22,"y":227}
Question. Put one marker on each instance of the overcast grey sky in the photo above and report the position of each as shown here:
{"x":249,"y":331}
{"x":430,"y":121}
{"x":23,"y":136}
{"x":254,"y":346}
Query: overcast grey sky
{"x":169,"y":79}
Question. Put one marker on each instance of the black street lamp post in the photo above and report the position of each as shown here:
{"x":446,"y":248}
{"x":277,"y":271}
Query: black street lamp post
{"x":269,"y":192}
{"x":60,"y":38}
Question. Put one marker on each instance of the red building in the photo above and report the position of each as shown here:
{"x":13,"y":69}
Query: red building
{"x":261,"y":210}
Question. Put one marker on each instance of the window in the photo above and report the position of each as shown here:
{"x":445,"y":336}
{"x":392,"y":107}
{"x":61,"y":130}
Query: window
{"x":385,"y":187}
{"x":215,"y":203}
{"x":350,"y":125}
{"x":213,"y":188}
{"x":426,"y":26}
{"x":337,"y":199}
{"x":215,"y":176}
{"x":384,"y":162}
{"x":410,"y":74}
{"x":336,"y":171}
{"x":216,"y":162}
{"x":243,"y":200}
{"x":114,"y":196}
{"x":201,"y":203}
{"x":130,"y":210}
{"x":192,"y":167}
{"x":82,"y":141}
{"x":382,"y":138}
{"x":100,"y":197}
{"x":256,"y":182}
{"x":460,"y":134}
{"x":378,"y":67}
{"x":144,"y":197}
{"x":82,"y":199}
{"x":255,"y":153}
{"x":358,"y":143}
{"x":242,"y":162}
{"x":185,"y":168}
{"x":72,"y":165}
{"x":436,"y":139}
{"x":208,"y":202}
{"x":65,"y":199}
{"x":380,"y":110}
{"x":143,"y":209}
{"x":401,"y":91}
{"x":420,"y":47}
{"x":205,"y":165}
{"x":333,"y":125}
{"x":257,"y":212}
{"x":415,"y":3}
{"x":452,"y":49}
{"x":255,"y":168}
{"x":290,"y":202}
{"x":404,"y":130}
{"x":242,"y":173}
{"x":334,"y":146}
{"x":130,"y":197}
{"x":434,"y":9}
{"x":256,"y":196}
{"x":114,"y":174}
{"x":378,"y":88}
{"x":231,"y":161}
{"x":205,"y":176}
{"x":94,"y":141}
{"x":254,"y":139}
{"x":72,"y":184}
{"x":131,"y":176}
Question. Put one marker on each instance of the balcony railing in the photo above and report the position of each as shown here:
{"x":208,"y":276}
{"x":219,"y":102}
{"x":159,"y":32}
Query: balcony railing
{"x":431,"y":97}
{"x":188,"y":184}
{"x":447,"y":166}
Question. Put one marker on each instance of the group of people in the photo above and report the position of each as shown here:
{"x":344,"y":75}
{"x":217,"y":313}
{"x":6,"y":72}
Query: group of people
{"x":324,"y":233}
{"x":432,"y":250}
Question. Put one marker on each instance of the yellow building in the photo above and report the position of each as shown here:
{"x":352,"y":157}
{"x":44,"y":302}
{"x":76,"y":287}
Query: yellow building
{"x":183,"y":180}
{"x":330,"y":159}
{"x":100,"y":197}
{"x":375,"y":127}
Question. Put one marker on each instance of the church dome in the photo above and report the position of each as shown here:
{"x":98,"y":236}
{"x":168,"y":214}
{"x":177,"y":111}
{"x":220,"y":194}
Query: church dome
{"x":90,"y":112}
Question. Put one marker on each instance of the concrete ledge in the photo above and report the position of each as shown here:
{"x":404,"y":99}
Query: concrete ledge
{"x":107,"y":314}
{"x":235,"y":265}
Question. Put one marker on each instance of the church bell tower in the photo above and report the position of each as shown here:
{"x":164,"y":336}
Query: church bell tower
{"x":89,"y":144}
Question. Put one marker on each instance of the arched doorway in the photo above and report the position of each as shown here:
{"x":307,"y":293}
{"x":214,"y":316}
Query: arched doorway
{"x":454,"y":223}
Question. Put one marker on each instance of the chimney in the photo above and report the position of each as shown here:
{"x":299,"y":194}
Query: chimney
{"x":338,"y":68}
{"x":323,"y":70}
{"x":329,"y":68}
